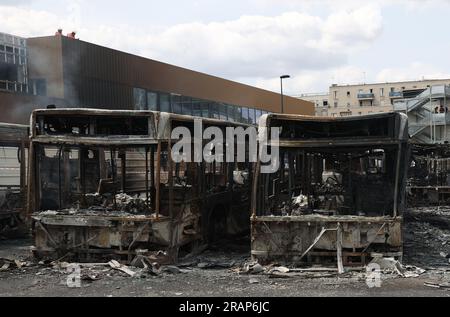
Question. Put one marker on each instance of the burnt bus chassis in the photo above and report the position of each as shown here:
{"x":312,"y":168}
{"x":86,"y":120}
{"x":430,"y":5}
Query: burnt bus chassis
{"x":12,"y":218}
{"x":180,"y":217}
{"x":428,"y":177}
{"x":345,"y":239}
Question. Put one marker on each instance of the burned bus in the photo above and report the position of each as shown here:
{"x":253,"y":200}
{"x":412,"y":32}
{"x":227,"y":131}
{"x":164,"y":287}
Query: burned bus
{"x":429,"y":175}
{"x":103,"y":185}
{"x":13,"y":166}
{"x":339,"y":193}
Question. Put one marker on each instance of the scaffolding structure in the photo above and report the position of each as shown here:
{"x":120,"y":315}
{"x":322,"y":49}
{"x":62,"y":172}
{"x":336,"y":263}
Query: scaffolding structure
{"x":428,"y":115}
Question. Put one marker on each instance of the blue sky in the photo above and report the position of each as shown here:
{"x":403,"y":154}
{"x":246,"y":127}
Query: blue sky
{"x":318,"y":42}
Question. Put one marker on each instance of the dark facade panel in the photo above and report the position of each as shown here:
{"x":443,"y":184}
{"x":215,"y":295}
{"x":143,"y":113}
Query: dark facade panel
{"x":85,"y":62}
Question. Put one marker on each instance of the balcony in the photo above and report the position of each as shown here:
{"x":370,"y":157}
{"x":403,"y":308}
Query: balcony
{"x":396,"y":94}
{"x":366,"y":96}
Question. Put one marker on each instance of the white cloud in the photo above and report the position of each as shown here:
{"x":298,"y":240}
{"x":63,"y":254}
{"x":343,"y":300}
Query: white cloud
{"x":251,"y":46}
{"x":27,"y":23}
{"x":313,"y":81}
{"x":415,"y":71}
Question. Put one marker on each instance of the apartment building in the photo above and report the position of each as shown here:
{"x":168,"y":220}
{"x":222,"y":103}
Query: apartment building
{"x":362,"y":99}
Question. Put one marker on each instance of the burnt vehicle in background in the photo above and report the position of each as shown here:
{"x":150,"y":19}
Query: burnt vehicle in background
{"x":429,"y":175}
{"x":13,"y":169}
{"x":339,"y":194}
{"x":103,"y":185}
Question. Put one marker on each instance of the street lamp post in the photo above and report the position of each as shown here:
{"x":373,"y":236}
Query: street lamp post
{"x":282,"y":97}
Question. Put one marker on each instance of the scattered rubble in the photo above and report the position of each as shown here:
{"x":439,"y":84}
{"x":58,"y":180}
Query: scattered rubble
{"x":427,"y":237}
{"x":123,"y":268}
{"x":7,"y":264}
{"x":438,"y":285}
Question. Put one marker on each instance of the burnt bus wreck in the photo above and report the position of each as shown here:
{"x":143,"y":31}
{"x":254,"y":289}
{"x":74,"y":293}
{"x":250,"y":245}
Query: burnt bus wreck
{"x":104,"y":185}
{"x":13,"y":167}
{"x":339,"y":194}
{"x":429,"y":175}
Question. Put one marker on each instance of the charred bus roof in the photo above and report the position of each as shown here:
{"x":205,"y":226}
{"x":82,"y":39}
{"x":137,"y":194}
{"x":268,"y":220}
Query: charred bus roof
{"x":13,"y":134}
{"x":307,"y":131}
{"x":93,"y":126}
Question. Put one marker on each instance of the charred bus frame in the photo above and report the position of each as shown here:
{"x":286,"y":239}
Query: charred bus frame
{"x":428,"y":177}
{"x":83,"y":160}
{"x":13,"y":167}
{"x":339,"y":193}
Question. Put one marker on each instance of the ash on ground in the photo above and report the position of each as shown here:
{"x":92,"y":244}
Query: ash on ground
{"x":427,"y":237}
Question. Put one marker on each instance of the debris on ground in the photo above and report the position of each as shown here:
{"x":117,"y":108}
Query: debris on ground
{"x":427,"y":237}
{"x":427,"y":248}
{"x":7,"y":264}
{"x":438,"y":285}
{"x":393,"y":266}
{"x":123,"y":268}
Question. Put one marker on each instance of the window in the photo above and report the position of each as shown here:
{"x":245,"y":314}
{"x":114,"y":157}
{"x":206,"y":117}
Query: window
{"x":231,"y":114}
{"x":177,"y":105}
{"x":10,"y":58}
{"x":245,"y":115}
{"x":335,"y":104}
{"x":325,"y":103}
{"x":41,"y":87}
{"x":371,"y":91}
{"x":360,"y":103}
{"x":238,"y":112}
{"x":335,"y":94}
{"x":348,"y":94}
{"x":164,"y":103}
{"x":392,"y":89}
{"x":215,"y":110}
{"x":258,"y":115}
{"x":152,"y":101}
{"x":381,"y":92}
{"x":252,"y":114}
{"x":223,"y":111}
{"x":187,"y":106}
{"x":205,"y":110}
{"x":140,"y":102}
{"x":196,"y":107}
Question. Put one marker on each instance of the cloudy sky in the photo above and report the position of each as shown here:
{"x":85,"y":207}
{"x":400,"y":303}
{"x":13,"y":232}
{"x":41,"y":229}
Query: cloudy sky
{"x":317,"y":42}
